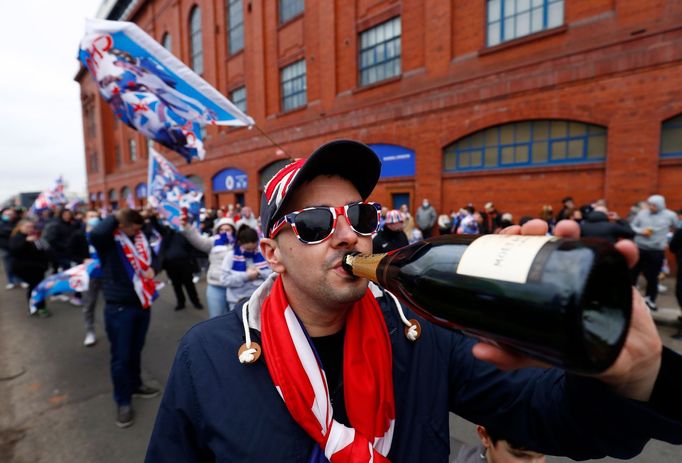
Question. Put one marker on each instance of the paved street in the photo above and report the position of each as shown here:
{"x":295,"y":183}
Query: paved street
{"x":55,"y":394}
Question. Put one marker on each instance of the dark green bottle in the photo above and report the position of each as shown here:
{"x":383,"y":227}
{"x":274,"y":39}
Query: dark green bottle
{"x":565,"y":302}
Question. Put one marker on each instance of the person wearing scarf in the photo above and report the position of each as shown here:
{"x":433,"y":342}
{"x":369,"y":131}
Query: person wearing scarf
{"x":128,"y":267}
{"x":244,"y":268}
{"x":318,"y":366}
{"x":217,"y":247}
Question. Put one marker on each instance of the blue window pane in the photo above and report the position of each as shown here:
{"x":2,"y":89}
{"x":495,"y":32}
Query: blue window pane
{"x":238,"y":98}
{"x":293,"y":86}
{"x":529,"y":144}
{"x":288,"y":9}
{"x":379,"y":54}
{"x":195,"y":45}
{"x":235,"y":25}
{"x":511,"y":19}
{"x":671,"y":137}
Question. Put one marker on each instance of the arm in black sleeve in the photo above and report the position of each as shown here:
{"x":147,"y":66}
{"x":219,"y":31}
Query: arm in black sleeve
{"x":623,"y":230}
{"x":159,"y":227}
{"x":557,"y":413}
{"x":676,"y":242}
{"x":102,"y":236}
{"x":175,"y":435}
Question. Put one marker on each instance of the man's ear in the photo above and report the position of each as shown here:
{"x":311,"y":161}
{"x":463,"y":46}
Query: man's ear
{"x":483,"y":435}
{"x":270,"y":250}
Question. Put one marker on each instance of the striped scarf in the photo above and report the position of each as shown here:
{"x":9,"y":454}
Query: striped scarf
{"x":240,"y":256}
{"x":368,"y":384}
{"x":137,"y":259}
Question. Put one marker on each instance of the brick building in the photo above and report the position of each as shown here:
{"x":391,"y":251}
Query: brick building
{"x":519,"y":102}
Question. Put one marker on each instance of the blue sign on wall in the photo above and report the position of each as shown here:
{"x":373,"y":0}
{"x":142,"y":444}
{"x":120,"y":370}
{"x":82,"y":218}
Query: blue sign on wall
{"x":141,"y":190}
{"x":396,"y":161}
{"x":230,"y":180}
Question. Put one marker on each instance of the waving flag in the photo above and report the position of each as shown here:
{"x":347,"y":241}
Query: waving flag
{"x":50,"y":198}
{"x":170,"y":192}
{"x":151,"y":90}
{"x":74,"y":279}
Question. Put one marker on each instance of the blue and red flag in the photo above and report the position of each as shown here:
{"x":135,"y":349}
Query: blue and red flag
{"x":170,"y":192}
{"x":50,"y":198}
{"x":75,"y":279}
{"x":151,"y":90}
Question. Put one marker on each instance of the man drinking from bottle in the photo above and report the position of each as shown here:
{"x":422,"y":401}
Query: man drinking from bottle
{"x":320,"y":366}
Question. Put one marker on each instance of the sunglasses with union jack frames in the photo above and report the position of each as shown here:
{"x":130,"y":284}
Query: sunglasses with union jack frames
{"x":316,"y":224}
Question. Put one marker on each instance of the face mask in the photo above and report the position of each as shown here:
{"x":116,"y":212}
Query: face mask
{"x":93,"y":222}
{"x":5,"y":218}
{"x":425,"y":204}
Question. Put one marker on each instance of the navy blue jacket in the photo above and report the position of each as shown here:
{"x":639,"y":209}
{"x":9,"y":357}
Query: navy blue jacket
{"x":117,"y":287}
{"x":216,"y":409}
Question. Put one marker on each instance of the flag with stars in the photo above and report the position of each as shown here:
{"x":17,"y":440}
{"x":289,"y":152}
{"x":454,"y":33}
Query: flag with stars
{"x":171,"y":193}
{"x":151,"y":90}
{"x":50,"y":198}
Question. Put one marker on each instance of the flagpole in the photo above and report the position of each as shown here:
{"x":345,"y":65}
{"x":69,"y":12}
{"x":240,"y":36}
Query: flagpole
{"x":271,"y":140}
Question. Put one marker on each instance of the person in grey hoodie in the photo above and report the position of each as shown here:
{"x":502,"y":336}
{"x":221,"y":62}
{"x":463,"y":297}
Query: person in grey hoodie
{"x":426,"y":218}
{"x":651,"y":226}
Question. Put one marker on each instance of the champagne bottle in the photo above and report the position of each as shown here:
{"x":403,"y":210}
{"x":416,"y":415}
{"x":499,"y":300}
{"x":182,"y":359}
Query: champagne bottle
{"x":565,"y":302}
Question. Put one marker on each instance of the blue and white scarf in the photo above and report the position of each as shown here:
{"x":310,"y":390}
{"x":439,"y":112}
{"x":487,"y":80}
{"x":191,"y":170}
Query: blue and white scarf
{"x":240,"y":256}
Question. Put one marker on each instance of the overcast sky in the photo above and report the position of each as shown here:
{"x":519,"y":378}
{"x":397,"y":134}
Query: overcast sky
{"x":41,"y":133}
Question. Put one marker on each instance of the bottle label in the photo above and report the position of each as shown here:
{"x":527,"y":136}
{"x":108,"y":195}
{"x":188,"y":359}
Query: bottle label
{"x":502,"y":257}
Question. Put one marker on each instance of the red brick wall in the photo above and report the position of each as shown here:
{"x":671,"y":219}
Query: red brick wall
{"x":615,"y":64}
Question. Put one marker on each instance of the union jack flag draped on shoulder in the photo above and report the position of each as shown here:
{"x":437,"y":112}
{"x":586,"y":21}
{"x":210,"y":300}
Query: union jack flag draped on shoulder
{"x":151,"y":90}
{"x":170,"y":192}
{"x":49,"y":198}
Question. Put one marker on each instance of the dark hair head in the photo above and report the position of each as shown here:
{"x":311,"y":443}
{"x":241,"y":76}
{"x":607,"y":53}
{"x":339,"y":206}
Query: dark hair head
{"x":247,"y":234}
{"x":525,"y":219}
{"x":567,"y":199}
{"x":128,"y":216}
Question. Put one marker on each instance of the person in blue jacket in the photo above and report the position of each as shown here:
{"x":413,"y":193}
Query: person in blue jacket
{"x":321,"y":366}
{"x":128,"y":266}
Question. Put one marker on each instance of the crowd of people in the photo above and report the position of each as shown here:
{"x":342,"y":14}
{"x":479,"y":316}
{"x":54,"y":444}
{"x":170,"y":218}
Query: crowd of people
{"x":226,"y":246}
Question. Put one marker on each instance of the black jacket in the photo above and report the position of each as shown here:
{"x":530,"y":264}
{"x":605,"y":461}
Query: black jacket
{"x":28,"y":256}
{"x":676,"y":247}
{"x":78,"y":248}
{"x":117,"y":288}
{"x":597,"y":225}
{"x":387,"y":240}
{"x":5,"y":232}
{"x":175,"y":249}
{"x":58,"y":234}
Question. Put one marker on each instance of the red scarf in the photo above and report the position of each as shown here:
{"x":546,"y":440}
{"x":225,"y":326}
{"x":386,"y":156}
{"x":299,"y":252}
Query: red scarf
{"x":367,"y":379}
{"x":137,"y":259}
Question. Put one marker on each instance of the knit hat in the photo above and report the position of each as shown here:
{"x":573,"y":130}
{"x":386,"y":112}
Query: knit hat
{"x":349,"y":159}
{"x":224,"y":221}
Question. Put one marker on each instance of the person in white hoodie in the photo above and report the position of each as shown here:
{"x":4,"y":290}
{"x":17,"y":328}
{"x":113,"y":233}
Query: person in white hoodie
{"x":244,"y":268}
{"x":217,"y":247}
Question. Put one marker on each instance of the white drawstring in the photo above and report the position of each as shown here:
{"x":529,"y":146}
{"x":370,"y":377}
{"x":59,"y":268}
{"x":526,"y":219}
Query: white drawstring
{"x":413,"y":330}
{"x":249,"y":354}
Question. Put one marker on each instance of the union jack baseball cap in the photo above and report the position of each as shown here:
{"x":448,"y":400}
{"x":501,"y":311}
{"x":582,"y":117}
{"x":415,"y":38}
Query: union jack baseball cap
{"x":394,"y":216}
{"x":349,"y":159}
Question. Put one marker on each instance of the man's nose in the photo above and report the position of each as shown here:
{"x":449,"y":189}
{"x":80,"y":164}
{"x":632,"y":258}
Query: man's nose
{"x":344,"y":234}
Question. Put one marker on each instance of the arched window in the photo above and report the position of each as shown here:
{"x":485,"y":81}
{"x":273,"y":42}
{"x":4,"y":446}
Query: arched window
{"x":198,"y":182}
{"x":527,"y":144}
{"x":167,"y":42}
{"x":671,"y":137}
{"x":269,"y":171}
{"x":196,"y":50}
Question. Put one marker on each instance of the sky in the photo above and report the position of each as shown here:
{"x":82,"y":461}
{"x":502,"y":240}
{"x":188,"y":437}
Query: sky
{"x":41,"y":134}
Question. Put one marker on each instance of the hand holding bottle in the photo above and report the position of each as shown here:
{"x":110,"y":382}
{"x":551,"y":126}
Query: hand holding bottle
{"x":634,"y":372}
